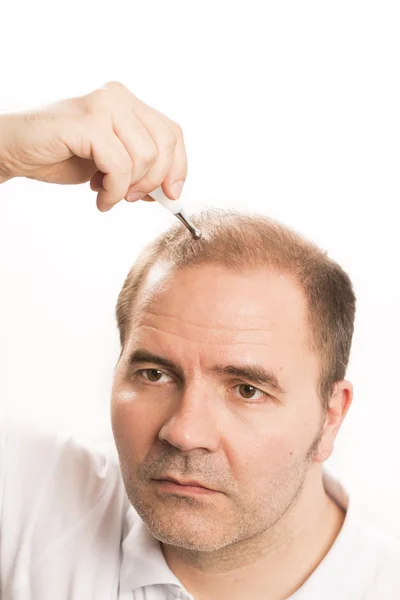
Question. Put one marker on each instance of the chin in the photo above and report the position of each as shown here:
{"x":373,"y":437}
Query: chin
{"x":188,"y":538}
{"x":183,"y":522}
{"x":184,"y":529}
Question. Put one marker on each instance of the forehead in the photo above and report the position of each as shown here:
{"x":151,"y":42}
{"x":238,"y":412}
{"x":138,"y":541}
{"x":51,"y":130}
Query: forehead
{"x":210,"y":303}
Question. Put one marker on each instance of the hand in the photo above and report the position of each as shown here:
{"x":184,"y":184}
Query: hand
{"x":110,"y":137}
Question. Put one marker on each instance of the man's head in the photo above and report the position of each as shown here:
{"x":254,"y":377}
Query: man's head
{"x":234,"y":351}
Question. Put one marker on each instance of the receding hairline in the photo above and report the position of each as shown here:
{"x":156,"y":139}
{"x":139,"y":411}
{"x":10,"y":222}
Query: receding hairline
{"x":238,"y":241}
{"x":221,"y":245}
{"x":145,"y":293}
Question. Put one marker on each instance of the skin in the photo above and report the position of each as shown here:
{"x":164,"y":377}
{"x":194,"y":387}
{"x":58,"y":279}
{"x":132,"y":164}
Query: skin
{"x":271,"y":522}
{"x":125,"y":148}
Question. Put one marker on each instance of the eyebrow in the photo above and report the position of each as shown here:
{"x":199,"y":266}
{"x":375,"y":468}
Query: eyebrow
{"x":253,"y":373}
{"x":143,"y":356}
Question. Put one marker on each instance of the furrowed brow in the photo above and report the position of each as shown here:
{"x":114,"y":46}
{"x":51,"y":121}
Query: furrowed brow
{"x":252,"y":373}
{"x":143,"y":356}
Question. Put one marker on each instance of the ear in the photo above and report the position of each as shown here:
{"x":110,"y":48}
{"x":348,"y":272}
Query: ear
{"x":338,"y":406}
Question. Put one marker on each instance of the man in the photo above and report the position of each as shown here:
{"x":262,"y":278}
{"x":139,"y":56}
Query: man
{"x":228,"y":395}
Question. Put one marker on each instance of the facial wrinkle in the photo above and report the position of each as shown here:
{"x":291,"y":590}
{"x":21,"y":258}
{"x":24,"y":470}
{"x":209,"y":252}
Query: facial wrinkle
{"x":231,"y":342}
{"x":193,"y":324}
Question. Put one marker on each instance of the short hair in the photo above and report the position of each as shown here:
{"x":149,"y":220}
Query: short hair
{"x":241,"y":242}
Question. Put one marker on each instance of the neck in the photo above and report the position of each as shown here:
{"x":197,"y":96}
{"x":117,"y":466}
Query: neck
{"x":272,"y":565}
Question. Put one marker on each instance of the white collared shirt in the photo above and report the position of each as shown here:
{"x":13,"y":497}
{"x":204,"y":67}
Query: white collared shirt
{"x":68,"y":532}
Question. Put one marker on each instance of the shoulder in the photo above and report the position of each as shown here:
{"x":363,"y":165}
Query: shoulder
{"x":32,"y":452}
{"x":387,"y":548}
{"x":365,"y":557}
{"x":62,"y":504}
{"x":383,"y":550}
{"x":47,"y":471}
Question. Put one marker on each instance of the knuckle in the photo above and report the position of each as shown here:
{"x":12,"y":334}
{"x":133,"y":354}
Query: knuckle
{"x":101,"y":98}
{"x":178,"y":130}
{"x":115,"y":86}
{"x":169,"y":141}
{"x":97,"y":101}
{"x":119,"y":161}
{"x":148,"y":154}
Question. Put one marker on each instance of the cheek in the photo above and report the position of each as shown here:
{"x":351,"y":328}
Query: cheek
{"x":275,"y":448}
{"x":263,"y":454}
{"x":134,"y":426}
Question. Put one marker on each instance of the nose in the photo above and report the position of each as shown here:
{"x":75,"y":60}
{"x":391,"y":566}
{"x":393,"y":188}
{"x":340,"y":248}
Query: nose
{"x":195,"y":421}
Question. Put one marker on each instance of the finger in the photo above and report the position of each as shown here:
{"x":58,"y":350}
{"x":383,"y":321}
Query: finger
{"x":156,"y":123}
{"x":96,"y":183}
{"x":145,"y":199}
{"x":138,"y":143}
{"x":166,"y":144}
{"x":175,"y":179}
{"x":112,"y":159}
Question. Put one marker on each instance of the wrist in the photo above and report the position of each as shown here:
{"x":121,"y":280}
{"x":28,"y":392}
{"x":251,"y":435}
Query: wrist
{"x":3,"y":175}
{"x":6,"y":129}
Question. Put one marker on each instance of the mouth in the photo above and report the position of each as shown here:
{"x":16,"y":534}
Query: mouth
{"x":170,"y":484}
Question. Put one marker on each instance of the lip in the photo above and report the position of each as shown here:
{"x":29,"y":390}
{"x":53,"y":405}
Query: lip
{"x":189,"y":485}
{"x":167,"y":485}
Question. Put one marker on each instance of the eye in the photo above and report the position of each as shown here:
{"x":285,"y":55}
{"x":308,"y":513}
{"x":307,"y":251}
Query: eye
{"x":152,"y":375}
{"x":249,"y":392}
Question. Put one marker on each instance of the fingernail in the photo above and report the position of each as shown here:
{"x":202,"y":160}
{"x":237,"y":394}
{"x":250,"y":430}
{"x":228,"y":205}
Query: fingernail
{"x":177,"y":188}
{"x":132,"y":196}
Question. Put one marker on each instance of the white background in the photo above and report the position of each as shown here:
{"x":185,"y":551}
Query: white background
{"x":288,"y":108}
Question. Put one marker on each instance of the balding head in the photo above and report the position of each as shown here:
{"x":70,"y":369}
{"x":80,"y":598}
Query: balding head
{"x":242,"y":243}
